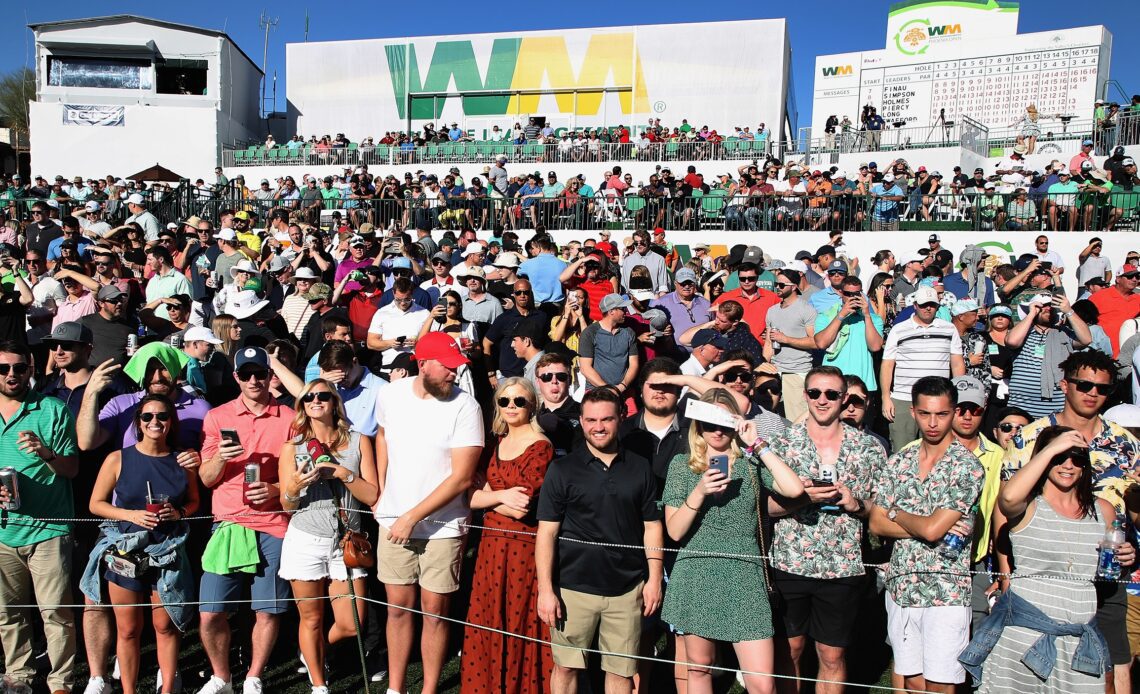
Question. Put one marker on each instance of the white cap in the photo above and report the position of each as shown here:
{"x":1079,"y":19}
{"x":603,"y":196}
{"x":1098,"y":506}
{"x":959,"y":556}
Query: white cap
{"x":916,"y":257}
{"x":839,"y":174}
{"x":226,"y":234}
{"x":305,"y":273}
{"x":925,"y":295}
{"x":200,"y":334}
{"x":888,"y":178}
{"x":134,"y":199}
{"x":472,"y":248}
{"x":172,"y":226}
{"x":52,"y":202}
{"x":92,"y":206}
{"x":1125,"y":415}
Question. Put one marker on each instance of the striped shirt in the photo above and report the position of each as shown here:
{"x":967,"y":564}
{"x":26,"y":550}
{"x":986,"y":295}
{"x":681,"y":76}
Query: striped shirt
{"x":919,"y":350}
{"x":1025,"y":378}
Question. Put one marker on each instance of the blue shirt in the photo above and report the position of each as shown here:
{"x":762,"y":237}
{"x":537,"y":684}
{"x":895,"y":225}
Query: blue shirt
{"x":825,"y":299}
{"x":852,"y":357}
{"x":956,"y":285}
{"x":455,"y":134}
{"x":683,"y":317}
{"x":543,"y":271}
{"x":53,"y":250}
{"x":528,"y":189}
{"x":885,"y":210}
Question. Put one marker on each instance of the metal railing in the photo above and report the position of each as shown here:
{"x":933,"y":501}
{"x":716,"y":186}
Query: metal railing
{"x":965,"y":210}
{"x":486,"y":152}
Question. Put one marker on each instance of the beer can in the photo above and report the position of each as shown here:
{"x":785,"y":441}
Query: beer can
{"x":252,"y":473}
{"x":9,"y":480}
{"x":132,"y":343}
{"x":176,"y":340}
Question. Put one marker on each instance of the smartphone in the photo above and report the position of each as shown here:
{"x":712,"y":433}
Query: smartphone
{"x":400,"y":340}
{"x":231,"y":436}
{"x":441,"y":302}
{"x":719,"y":462}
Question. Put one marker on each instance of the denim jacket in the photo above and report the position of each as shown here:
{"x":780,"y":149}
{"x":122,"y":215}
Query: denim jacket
{"x":1091,"y":657}
{"x":175,"y":581}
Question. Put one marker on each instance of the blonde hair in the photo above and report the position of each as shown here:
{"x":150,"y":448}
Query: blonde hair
{"x":498,"y":426}
{"x":221,"y":326}
{"x":302,"y":426}
{"x":698,"y":447}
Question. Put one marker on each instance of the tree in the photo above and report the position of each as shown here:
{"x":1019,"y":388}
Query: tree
{"x":17,"y":88}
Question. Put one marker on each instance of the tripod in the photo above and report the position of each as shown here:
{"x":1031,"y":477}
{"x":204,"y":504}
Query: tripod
{"x":945,"y":127}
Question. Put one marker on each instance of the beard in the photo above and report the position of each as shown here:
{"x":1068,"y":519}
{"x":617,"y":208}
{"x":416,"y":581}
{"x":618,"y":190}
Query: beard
{"x":438,"y":389}
{"x":660,"y":410}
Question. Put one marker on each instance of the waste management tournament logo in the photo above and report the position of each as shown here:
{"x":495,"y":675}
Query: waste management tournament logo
{"x":914,"y":37}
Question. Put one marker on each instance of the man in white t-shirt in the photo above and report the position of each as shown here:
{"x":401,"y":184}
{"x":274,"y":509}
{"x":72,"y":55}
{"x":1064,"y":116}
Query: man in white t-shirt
{"x":394,"y":327}
{"x":428,"y":444}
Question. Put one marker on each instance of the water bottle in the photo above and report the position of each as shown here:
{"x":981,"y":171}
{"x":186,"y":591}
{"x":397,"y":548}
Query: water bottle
{"x":1108,"y":565}
{"x":952,"y":545}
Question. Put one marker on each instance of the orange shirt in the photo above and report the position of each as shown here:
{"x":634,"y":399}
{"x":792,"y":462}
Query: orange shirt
{"x":755,"y":309}
{"x":1115,"y":308}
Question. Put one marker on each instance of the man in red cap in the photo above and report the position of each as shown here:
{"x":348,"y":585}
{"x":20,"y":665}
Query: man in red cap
{"x":423,"y":505}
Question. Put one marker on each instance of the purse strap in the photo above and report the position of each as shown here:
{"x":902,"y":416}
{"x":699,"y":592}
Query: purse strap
{"x":760,"y":508}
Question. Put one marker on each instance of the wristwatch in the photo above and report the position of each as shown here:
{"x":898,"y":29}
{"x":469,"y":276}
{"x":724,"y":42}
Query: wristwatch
{"x":350,"y":478}
{"x":892,"y":514}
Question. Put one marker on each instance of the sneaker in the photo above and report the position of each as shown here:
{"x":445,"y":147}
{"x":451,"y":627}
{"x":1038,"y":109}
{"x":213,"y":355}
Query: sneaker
{"x":216,"y":685}
{"x":115,"y":668}
{"x":252,"y":685}
{"x":379,"y":676}
{"x":321,"y":690}
{"x":96,"y":685}
{"x":303,"y":669}
{"x":158,"y":682}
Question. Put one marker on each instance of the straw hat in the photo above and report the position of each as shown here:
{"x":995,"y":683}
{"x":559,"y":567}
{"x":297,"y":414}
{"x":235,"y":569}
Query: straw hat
{"x":1031,"y":108}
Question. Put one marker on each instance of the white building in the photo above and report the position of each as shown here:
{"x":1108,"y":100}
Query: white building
{"x":569,"y":78}
{"x":117,"y":94}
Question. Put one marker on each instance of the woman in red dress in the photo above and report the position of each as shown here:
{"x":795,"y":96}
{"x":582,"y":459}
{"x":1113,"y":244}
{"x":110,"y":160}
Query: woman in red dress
{"x":504,"y":590}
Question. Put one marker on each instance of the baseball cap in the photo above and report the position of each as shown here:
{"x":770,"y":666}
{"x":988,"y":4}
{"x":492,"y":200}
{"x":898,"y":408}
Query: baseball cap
{"x":825,"y":249}
{"x":685,"y":275}
{"x":658,"y":321}
{"x":69,"y":331}
{"x":1097,"y":281}
{"x":708,"y":336}
{"x":200,"y":333}
{"x":803,"y":255}
{"x":610,"y":302}
{"x":1126,"y":161}
{"x":925,"y":295}
{"x":970,"y":390}
{"x":839,"y":174}
{"x":990,"y":184}
{"x":837,"y":266}
{"x":1088,"y":143}
{"x":1127,"y":269}
{"x":933,"y":238}
{"x":1126,"y":415}
{"x":134,"y":199}
{"x":888,"y":178}
{"x":251,"y":355}
{"x":226,"y":234}
{"x":92,"y":206}
{"x":241,"y":214}
{"x":531,"y":330}
{"x":1001,"y":310}
{"x":441,"y":347}
{"x":962,"y":306}
{"x":473,"y":248}
{"x":445,"y":257}
{"x":108,"y":292}
{"x":754,"y":255}
{"x":320,"y":290}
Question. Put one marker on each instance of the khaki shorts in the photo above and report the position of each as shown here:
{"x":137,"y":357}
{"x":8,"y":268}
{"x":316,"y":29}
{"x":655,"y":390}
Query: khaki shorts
{"x":616,"y":621}
{"x":1133,"y":622}
{"x":433,"y":564}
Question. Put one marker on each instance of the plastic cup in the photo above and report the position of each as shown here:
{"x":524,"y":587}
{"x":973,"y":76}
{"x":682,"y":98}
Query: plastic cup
{"x":156,"y":503}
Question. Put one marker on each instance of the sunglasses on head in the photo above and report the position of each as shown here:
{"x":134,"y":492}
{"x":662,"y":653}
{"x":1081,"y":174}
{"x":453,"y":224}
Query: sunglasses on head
{"x":146,"y":417}
{"x":19,"y":369}
{"x":1007,"y":427}
{"x":854,"y":401}
{"x":1084,"y":386}
{"x":830,"y":394}
{"x":966,"y":408}
{"x":560,"y":376}
{"x":323,"y":396}
{"x":259,"y":374}
{"x":518,"y":400}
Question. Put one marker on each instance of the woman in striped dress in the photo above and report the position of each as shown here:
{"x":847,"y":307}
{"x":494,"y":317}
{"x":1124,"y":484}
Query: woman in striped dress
{"x":1055,"y":526}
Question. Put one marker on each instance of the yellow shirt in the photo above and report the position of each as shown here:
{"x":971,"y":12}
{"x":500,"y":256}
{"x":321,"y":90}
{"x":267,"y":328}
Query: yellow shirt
{"x":991,"y":456}
{"x":250,"y":239}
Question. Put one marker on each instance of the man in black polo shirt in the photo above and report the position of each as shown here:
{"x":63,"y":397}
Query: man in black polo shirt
{"x":108,"y":327}
{"x":599,"y":493}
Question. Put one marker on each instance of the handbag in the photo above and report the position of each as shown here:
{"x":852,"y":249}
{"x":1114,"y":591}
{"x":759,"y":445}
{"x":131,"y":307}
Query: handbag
{"x":356,"y":548}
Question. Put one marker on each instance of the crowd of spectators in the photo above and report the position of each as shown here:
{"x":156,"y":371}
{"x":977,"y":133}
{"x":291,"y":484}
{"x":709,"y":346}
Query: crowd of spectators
{"x":609,"y":413}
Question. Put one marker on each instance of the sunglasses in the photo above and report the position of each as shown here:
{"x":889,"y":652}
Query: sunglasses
{"x":1087,"y":386}
{"x":521,"y":292}
{"x":259,"y":374}
{"x":973,"y":410}
{"x":19,"y":369}
{"x":830,"y":394}
{"x":781,"y":285}
{"x":855,"y":401}
{"x":440,"y":262}
{"x":66,"y":346}
{"x":739,"y":375}
{"x":518,"y":400}
{"x":560,"y":376}
{"x":887,"y":285}
{"x":852,"y":294}
{"x":146,"y":417}
{"x":751,"y":278}
{"x":1007,"y":427}
{"x":714,"y":428}
{"x":929,"y":305}
{"x":323,"y":396}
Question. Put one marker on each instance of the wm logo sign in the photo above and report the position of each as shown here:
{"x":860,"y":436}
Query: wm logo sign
{"x":944,"y":30}
{"x":838,"y":71}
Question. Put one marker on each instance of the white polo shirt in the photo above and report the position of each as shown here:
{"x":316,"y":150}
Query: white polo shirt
{"x":391,"y":322}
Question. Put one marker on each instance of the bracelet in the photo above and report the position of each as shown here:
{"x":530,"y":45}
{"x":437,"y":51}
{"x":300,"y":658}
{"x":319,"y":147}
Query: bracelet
{"x":686,"y":503}
{"x":291,"y":499}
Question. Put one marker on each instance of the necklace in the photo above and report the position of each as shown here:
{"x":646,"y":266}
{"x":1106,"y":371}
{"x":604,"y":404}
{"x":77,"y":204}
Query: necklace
{"x":1065,"y":537}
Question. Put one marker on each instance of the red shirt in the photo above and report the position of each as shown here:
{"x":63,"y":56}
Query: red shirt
{"x":1115,"y":308}
{"x":262,"y":436}
{"x":755,"y":309}
{"x":596,"y":290}
{"x":361,"y":306}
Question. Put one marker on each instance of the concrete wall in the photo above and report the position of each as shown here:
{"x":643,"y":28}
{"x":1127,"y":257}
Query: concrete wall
{"x":240,"y":89}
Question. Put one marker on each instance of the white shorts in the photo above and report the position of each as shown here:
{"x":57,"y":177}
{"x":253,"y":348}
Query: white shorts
{"x":928,"y":640}
{"x":308,"y":557}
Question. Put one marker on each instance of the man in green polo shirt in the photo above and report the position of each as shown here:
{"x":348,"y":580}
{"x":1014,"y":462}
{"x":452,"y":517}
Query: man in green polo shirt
{"x":37,"y":438}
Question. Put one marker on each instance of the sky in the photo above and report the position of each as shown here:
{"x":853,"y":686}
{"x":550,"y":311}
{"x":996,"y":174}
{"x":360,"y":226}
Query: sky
{"x":814,"y":29}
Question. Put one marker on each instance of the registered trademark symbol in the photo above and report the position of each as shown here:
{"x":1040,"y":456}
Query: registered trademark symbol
{"x":659,"y":106}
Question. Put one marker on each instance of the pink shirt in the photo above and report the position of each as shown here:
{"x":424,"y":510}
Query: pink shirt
{"x":71,"y":309}
{"x":262,"y":436}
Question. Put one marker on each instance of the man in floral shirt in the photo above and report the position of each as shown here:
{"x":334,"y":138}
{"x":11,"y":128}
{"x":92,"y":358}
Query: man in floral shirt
{"x":923,"y":492}
{"x":816,"y":558}
{"x":1088,"y":380}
